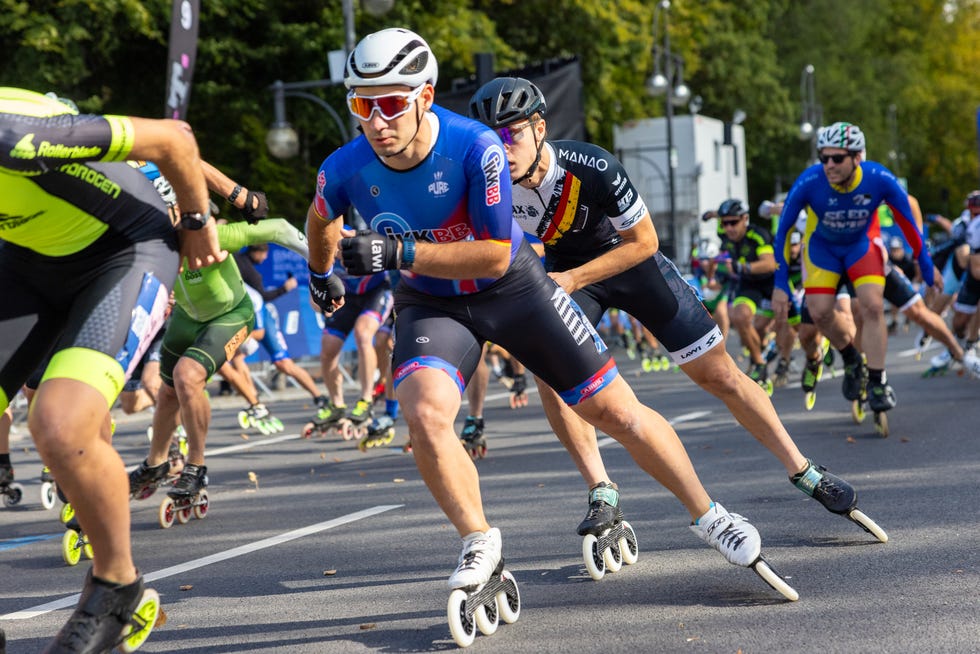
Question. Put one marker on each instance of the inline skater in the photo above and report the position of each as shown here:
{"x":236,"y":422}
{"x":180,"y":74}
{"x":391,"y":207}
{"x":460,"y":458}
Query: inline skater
{"x":211,"y":318}
{"x":433,"y":188}
{"x":751,"y":265}
{"x":94,"y":228}
{"x":841,"y":194}
{"x":367,"y":305}
{"x":605,"y":252}
{"x":272,"y":339}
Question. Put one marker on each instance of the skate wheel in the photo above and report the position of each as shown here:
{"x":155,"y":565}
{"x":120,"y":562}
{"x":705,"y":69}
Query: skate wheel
{"x":461,"y":626}
{"x":767,"y":387}
{"x":243,"y":420}
{"x":509,"y":599}
{"x":481,"y":451}
{"x":201,"y":505}
{"x":13,"y":495}
{"x":595,"y":562}
{"x":613,"y":558}
{"x":143,"y":620}
{"x":881,"y":424}
{"x":48,"y":495}
{"x":809,"y":400}
{"x":184,"y":513}
{"x":346,"y":430}
{"x":764,"y":570}
{"x":628,"y":546}
{"x":487,"y":617}
{"x":307,"y":430}
{"x":67,"y":513}
{"x":868,"y":525}
{"x":71,"y":550}
{"x":277,"y":424}
{"x":167,"y":513}
{"x":857,"y":411}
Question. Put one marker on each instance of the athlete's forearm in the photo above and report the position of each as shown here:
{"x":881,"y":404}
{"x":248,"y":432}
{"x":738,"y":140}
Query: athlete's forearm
{"x":322,"y":236}
{"x":170,"y":144}
{"x":462,"y":259}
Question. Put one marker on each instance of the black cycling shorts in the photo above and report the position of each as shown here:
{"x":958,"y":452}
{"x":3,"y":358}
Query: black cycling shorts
{"x":524,"y":312}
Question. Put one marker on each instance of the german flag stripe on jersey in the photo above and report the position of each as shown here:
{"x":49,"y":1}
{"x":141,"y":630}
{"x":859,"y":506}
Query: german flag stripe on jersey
{"x":565,"y":212}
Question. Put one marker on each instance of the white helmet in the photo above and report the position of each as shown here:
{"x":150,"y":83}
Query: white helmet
{"x":841,"y":135}
{"x":391,"y":56}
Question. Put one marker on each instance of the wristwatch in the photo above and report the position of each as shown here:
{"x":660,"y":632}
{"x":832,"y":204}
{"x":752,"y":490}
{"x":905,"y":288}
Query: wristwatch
{"x":193,"y":220}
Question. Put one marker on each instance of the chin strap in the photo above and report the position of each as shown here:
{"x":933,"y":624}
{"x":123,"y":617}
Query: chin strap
{"x":418,"y":126}
{"x":534,"y":166}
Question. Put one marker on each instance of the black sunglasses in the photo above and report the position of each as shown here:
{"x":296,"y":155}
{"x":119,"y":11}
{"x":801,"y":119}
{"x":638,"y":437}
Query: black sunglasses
{"x":836,"y":158}
{"x":731,"y":223}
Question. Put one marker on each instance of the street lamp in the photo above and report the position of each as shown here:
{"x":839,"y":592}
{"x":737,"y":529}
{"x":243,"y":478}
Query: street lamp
{"x":282,"y":140}
{"x":812,"y":113}
{"x":668,"y":80}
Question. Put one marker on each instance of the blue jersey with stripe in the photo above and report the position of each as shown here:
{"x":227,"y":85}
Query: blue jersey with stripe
{"x":460,"y":191}
{"x":844,"y":215}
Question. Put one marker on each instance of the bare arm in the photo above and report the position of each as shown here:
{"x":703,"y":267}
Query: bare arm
{"x":224,"y":185}
{"x":462,"y":259}
{"x":323,"y":237}
{"x":639,"y":244}
{"x":171,"y":145}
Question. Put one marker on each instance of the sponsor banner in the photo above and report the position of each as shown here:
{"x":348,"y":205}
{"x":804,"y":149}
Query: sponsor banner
{"x":183,"y":53}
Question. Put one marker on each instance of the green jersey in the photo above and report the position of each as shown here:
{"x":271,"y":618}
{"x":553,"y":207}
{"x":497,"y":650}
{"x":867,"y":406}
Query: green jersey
{"x":212,"y":291}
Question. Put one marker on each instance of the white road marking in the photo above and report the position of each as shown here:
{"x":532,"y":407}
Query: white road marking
{"x":66,"y":602}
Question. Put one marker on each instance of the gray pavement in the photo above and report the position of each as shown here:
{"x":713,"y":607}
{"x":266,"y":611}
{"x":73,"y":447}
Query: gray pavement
{"x":334,"y":550}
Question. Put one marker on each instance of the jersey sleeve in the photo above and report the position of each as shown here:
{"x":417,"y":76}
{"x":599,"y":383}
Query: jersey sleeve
{"x":898,"y":201}
{"x":795,"y":202}
{"x":623,"y":205}
{"x":330,"y":200}
{"x":32,"y":145}
{"x":489,"y":190}
{"x":235,"y":236}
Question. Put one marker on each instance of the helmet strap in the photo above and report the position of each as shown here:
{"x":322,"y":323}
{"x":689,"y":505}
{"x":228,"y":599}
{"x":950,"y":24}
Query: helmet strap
{"x":534,"y":166}
{"x":418,"y":126}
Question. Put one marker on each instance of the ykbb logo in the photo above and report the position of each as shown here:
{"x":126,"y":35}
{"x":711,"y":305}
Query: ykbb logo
{"x":492,"y":164}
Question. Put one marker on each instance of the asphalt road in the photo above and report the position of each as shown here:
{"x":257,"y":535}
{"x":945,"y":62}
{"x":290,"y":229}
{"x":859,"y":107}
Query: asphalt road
{"x":334,"y":550}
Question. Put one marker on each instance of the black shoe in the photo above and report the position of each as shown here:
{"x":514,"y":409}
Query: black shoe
{"x":604,"y":511}
{"x":103,"y":611}
{"x":192,"y":480}
{"x":145,"y":477}
{"x":834,"y":493}
{"x":855,"y":382}
{"x":881,"y":397}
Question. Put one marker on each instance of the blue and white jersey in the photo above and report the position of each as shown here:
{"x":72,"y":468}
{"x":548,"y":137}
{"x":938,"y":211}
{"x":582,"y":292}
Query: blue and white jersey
{"x":460,"y":191}
{"x":841,"y":215}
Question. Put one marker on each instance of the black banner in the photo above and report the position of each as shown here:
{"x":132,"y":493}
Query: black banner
{"x":561,"y":83}
{"x":180,"y":62}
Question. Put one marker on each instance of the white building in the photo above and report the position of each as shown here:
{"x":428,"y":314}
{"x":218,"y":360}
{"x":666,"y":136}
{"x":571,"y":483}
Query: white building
{"x":708,"y":169}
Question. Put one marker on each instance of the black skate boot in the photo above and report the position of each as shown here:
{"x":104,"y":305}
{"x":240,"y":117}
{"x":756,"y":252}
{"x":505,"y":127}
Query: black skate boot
{"x":881,"y":397}
{"x":108,"y":615}
{"x":855,"y":382}
{"x":10,"y":492}
{"x":472,"y":437}
{"x":834,"y":493}
{"x":781,"y":376}
{"x":145,"y":480}
{"x":193,"y":479}
{"x":604,"y":511}
{"x":759,"y":373}
{"x":328,"y":416}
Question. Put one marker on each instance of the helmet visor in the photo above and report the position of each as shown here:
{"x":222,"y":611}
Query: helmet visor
{"x":390,"y":106}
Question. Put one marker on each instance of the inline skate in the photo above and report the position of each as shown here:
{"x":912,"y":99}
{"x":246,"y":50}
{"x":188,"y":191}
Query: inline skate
{"x":759,"y":373}
{"x":12,"y":492}
{"x":74,"y":543}
{"x":109,"y":616}
{"x":188,"y":497}
{"x":357,"y":423}
{"x":836,"y":495}
{"x":380,"y":433}
{"x":49,"y":490}
{"x":483,"y":591}
{"x":739,"y":542}
{"x":327,"y":418}
{"x":258,"y":417}
{"x":609,"y":541}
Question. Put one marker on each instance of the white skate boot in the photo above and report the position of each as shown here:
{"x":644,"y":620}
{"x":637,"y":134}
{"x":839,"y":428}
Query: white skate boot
{"x":478,"y":560}
{"x":730,"y":534}
{"x":739,"y":542}
{"x":971,"y":363}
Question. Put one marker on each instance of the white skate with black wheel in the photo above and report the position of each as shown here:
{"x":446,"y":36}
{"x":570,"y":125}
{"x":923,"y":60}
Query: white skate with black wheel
{"x":739,"y":542}
{"x":484,"y":592}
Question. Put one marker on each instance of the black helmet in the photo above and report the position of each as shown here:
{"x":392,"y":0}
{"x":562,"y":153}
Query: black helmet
{"x":732,"y":207}
{"x":506,"y":100}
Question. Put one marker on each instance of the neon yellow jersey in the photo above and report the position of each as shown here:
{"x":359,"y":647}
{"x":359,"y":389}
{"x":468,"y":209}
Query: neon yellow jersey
{"x":60,"y":189}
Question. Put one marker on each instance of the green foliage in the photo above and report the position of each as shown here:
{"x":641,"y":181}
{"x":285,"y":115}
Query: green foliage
{"x":919,"y":56}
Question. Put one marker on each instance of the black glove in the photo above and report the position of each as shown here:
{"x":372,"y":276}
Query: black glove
{"x":256,"y":207}
{"x":325,"y":288}
{"x":369,"y":252}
